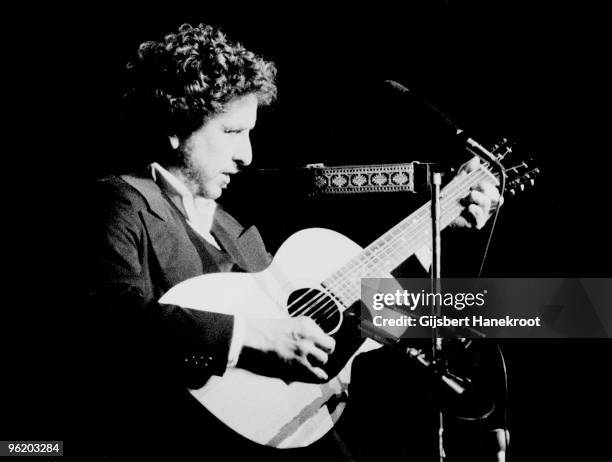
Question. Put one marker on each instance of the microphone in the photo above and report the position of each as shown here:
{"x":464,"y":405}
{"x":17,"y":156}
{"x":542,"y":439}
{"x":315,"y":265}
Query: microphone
{"x":472,"y":145}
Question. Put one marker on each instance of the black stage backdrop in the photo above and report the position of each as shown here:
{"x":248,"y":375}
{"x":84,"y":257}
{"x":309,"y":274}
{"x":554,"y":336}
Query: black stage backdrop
{"x":532,"y":73}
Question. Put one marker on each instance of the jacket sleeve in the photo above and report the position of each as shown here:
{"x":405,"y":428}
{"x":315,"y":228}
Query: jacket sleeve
{"x":124,"y":288}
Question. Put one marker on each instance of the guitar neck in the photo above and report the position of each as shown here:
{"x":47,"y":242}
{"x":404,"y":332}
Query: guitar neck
{"x":402,"y":241}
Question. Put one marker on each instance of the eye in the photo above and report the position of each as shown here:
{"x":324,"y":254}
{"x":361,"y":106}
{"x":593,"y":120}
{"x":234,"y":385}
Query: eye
{"x":234,"y":131}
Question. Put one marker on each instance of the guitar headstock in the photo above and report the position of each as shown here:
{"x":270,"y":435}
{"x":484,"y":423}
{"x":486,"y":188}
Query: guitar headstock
{"x":523,"y":176}
{"x":519,"y":176}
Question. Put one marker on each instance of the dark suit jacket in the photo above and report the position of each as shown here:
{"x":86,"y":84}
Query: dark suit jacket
{"x":150,"y":352}
{"x":143,"y":247}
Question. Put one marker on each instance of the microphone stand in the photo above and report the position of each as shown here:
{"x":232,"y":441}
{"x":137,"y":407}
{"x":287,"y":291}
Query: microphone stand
{"x":436,"y":350}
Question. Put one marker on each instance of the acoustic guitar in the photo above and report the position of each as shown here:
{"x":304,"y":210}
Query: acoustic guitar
{"x":316,"y":273}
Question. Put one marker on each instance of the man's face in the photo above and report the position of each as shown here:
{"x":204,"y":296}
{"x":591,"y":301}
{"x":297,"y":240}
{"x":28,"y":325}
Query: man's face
{"x":216,"y":150}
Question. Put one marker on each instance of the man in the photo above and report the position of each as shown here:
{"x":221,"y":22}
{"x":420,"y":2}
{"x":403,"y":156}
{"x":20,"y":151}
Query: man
{"x":192,"y":104}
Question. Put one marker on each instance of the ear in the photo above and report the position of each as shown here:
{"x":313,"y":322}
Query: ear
{"x":174,"y":141}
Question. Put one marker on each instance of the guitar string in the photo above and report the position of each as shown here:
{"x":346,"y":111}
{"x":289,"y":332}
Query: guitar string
{"x":347,"y":271}
{"x":345,"y":277}
{"x":305,"y":307}
{"x":348,"y":282}
{"x":386,"y":244}
{"x":460,"y":183}
{"x":389,"y":250}
{"x":297,"y":312}
{"x":324,"y":311}
{"x":329,"y":307}
{"x":351,"y":284}
{"x":330,"y":310}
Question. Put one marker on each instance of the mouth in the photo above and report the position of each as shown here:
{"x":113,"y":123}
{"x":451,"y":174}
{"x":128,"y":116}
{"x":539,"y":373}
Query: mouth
{"x":225,"y":179}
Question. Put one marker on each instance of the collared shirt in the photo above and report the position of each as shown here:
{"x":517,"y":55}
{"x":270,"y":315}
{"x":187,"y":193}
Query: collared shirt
{"x":200,"y":213}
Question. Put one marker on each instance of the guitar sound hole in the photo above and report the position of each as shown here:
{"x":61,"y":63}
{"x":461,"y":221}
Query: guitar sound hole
{"x":317,"y":305}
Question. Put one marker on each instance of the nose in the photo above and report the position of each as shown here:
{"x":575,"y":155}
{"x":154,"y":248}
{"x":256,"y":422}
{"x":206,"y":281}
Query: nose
{"x":243,"y":155}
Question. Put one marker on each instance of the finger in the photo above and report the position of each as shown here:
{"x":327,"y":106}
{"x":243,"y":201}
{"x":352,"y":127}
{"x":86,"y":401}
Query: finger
{"x":491,"y":191}
{"x":311,"y":331}
{"x":478,"y":215}
{"x":461,"y":221}
{"x":311,"y":371}
{"x":481,"y":200}
{"x":476,"y":197}
{"x":310,"y":350}
{"x":320,"y":373}
{"x":470,"y":166}
{"x":325,"y":343}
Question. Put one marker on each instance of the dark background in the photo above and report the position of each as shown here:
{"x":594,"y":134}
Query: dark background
{"x":534,"y":74}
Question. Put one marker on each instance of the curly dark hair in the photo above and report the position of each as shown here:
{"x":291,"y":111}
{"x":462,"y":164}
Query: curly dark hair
{"x":180,"y":82}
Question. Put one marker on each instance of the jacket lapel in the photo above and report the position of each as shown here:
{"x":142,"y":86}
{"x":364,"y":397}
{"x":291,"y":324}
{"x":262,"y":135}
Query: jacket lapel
{"x":176,"y":254}
{"x":245,"y":246}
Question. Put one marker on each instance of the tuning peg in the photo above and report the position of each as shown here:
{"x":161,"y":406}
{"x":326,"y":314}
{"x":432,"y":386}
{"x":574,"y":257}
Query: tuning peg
{"x":507,"y":150}
{"x":532,"y":182}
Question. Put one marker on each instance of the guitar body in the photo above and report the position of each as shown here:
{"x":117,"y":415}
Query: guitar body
{"x":263,"y":409}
